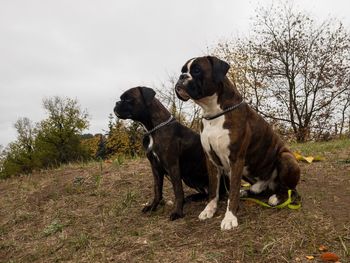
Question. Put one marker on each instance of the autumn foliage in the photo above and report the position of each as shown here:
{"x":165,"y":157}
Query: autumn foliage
{"x":294,"y":71}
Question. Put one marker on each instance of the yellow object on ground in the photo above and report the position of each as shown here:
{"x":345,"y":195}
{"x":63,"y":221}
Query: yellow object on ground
{"x":308,"y":159}
{"x":291,"y":204}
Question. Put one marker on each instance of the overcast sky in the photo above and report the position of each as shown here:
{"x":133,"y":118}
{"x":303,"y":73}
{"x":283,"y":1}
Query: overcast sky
{"x":95,"y":50}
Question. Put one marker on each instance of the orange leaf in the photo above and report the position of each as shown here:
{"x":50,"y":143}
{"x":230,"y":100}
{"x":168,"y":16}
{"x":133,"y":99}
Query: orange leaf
{"x":328,"y":256}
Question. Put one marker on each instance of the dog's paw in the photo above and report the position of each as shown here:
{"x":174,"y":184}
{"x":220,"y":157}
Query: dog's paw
{"x":206,"y":214}
{"x":175,"y":215}
{"x":258,"y":187}
{"x":243,"y":193}
{"x":273,"y":200}
{"x":209,"y":210}
{"x":149,"y":208}
{"x":229,"y":221}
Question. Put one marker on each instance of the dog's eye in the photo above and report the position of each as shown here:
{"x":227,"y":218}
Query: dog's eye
{"x":128,"y":100}
{"x":196,"y":71}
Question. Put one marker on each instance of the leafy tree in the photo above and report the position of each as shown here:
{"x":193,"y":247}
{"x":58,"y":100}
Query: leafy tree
{"x":124,"y":138}
{"x":95,"y":145}
{"x":294,"y":70}
{"x":117,"y":140}
{"x":19,"y":157}
{"x":135,"y":134}
{"x":55,"y":140}
{"x":58,"y":139}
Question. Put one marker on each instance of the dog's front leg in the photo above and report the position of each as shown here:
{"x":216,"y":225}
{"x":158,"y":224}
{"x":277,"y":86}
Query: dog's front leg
{"x":213,"y":191}
{"x":158,"y":178}
{"x":175,"y":176}
{"x":230,"y":219}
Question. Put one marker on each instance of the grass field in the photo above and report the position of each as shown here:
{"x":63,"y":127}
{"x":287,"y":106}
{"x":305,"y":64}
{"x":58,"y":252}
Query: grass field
{"x":92,"y":213}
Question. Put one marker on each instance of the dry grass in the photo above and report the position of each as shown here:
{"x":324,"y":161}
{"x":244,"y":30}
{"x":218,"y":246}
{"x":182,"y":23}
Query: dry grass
{"x":82,"y":213}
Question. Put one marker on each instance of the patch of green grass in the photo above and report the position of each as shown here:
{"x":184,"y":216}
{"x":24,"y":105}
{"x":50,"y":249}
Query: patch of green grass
{"x":316,"y":148}
{"x":21,"y":216}
{"x":73,"y":189}
{"x":269,"y":245}
{"x":3,"y":230}
{"x":129,"y":198}
{"x":80,"y":241}
{"x":193,"y":254}
{"x":7,"y":245}
{"x":213,"y":256}
{"x":97,"y":178}
{"x":53,"y":228}
{"x":119,"y":160}
{"x":126,"y":202}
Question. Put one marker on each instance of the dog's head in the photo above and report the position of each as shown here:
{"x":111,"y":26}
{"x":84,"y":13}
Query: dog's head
{"x":200,"y":77}
{"x":133,"y":103}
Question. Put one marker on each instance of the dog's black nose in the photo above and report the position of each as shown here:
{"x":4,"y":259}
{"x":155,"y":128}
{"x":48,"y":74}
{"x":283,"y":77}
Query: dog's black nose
{"x":117,"y":104}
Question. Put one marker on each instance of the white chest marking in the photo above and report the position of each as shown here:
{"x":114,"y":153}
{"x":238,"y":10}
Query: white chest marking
{"x":215,"y":138}
{"x":150,"y":148}
{"x":150,"y":144}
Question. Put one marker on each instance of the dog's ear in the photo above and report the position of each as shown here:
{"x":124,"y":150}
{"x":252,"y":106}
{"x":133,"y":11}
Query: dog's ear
{"x":219,"y":68}
{"x":147,"y":94}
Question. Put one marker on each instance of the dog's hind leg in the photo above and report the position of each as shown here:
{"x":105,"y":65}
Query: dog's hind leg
{"x":288,"y":178}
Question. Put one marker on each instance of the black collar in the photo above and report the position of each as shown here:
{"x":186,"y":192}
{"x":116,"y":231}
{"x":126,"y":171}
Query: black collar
{"x":208,"y":118}
{"x":159,"y":126}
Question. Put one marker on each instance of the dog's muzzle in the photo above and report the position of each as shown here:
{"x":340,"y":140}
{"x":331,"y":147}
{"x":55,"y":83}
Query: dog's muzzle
{"x":181,"y":93}
{"x":180,"y":87}
{"x":116,"y":107}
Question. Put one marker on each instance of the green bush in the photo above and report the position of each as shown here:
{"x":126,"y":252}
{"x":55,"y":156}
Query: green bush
{"x":53,"y":141}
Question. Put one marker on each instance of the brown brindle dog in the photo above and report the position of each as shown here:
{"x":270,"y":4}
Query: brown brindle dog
{"x":236,"y":139}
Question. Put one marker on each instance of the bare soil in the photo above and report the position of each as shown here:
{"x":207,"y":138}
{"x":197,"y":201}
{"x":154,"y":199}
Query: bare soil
{"x":92,"y":213}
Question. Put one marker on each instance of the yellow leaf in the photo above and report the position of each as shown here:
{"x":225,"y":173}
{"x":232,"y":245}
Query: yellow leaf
{"x":298,"y":156}
{"x":309,"y":159}
{"x":318,"y":158}
{"x":310,"y":257}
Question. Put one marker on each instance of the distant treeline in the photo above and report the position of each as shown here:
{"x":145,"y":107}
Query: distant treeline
{"x":58,"y":139}
{"x":123,"y":139}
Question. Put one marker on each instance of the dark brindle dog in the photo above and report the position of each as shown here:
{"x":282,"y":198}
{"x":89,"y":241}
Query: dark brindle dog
{"x":236,"y":139}
{"x":171,"y":148}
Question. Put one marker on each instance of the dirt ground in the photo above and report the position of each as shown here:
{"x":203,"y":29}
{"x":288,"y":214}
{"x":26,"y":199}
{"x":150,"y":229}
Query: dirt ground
{"x":92,"y":213}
